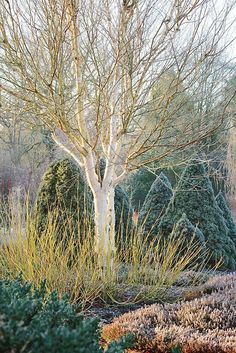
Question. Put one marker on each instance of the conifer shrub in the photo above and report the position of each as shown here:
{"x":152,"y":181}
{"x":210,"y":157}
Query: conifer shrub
{"x":194,"y":196}
{"x":191,"y":235}
{"x":138,"y":185}
{"x":64,"y":192}
{"x":227,"y":216}
{"x":188,"y":230}
{"x":155,"y":203}
{"x":32,"y":322}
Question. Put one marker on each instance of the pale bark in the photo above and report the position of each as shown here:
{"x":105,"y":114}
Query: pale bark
{"x":103,"y":194}
{"x":104,"y":223}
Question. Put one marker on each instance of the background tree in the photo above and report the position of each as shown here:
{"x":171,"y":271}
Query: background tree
{"x":86,"y":70}
{"x":26,"y":150}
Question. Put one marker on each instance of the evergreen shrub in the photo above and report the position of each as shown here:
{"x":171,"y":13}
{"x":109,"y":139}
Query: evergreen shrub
{"x":191,"y":235}
{"x":64,"y":192}
{"x":194,"y":196}
{"x":155,"y":203}
{"x":32,"y":322}
{"x":227,"y":216}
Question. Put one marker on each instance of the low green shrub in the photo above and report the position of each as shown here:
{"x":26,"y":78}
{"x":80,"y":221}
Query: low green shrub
{"x":32,"y":322}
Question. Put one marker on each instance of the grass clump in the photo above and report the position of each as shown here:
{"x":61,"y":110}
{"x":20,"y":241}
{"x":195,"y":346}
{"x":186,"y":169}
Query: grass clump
{"x":141,"y":271}
{"x":32,"y":322}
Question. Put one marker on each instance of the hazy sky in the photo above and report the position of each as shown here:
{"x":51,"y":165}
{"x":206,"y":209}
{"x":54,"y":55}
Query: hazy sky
{"x":232,"y":19}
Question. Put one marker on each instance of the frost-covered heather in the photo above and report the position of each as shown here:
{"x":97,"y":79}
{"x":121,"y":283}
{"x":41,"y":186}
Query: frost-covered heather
{"x":203,"y":325}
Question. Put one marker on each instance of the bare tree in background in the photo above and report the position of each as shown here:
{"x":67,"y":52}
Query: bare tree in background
{"x":86,"y":70}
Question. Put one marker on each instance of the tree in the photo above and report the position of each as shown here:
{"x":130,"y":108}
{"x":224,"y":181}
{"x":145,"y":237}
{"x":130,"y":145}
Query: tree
{"x":227,"y":216}
{"x":194,"y":196}
{"x":155,"y":203}
{"x":64,"y":196}
{"x":86,"y":69}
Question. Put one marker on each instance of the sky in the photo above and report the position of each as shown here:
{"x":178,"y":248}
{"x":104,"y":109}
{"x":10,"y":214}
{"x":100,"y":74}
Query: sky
{"x":231,"y":51}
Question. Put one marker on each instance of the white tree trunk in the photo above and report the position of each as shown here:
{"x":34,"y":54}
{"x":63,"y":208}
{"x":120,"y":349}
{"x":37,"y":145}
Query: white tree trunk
{"x":104,"y":223}
{"x":103,"y":194}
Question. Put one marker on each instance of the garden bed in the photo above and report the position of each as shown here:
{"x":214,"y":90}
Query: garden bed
{"x":205,"y":324}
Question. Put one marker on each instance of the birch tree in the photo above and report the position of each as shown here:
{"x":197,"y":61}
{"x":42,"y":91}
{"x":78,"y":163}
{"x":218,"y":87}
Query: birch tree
{"x":85,"y":69}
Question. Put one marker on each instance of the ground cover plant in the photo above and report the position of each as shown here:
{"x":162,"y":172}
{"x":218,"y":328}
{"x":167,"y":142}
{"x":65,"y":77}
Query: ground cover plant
{"x":33,"y":322}
{"x":206,"y":324}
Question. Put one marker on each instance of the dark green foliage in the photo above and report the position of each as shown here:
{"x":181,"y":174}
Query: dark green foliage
{"x":227,"y":216}
{"x":176,"y":350}
{"x":63,"y":192}
{"x":155,"y":203}
{"x":32,"y":322}
{"x":138,"y":186}
{"x":190,"y":232}
{"x":191,"y":236}
{"x":195,"y":197}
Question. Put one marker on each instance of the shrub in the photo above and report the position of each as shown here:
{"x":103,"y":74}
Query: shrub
{"x":31,"y":322}
{"x":206,"y":324}
{"x":155,"y":203}
{"x":190,"y":233}
{"x":63,"y":192}
{"x":138,"y":185}
{"x":227,"y":216}
{"x":194,"y":197}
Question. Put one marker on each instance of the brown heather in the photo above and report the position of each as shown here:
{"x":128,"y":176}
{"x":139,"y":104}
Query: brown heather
{"x":203,"y":325}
